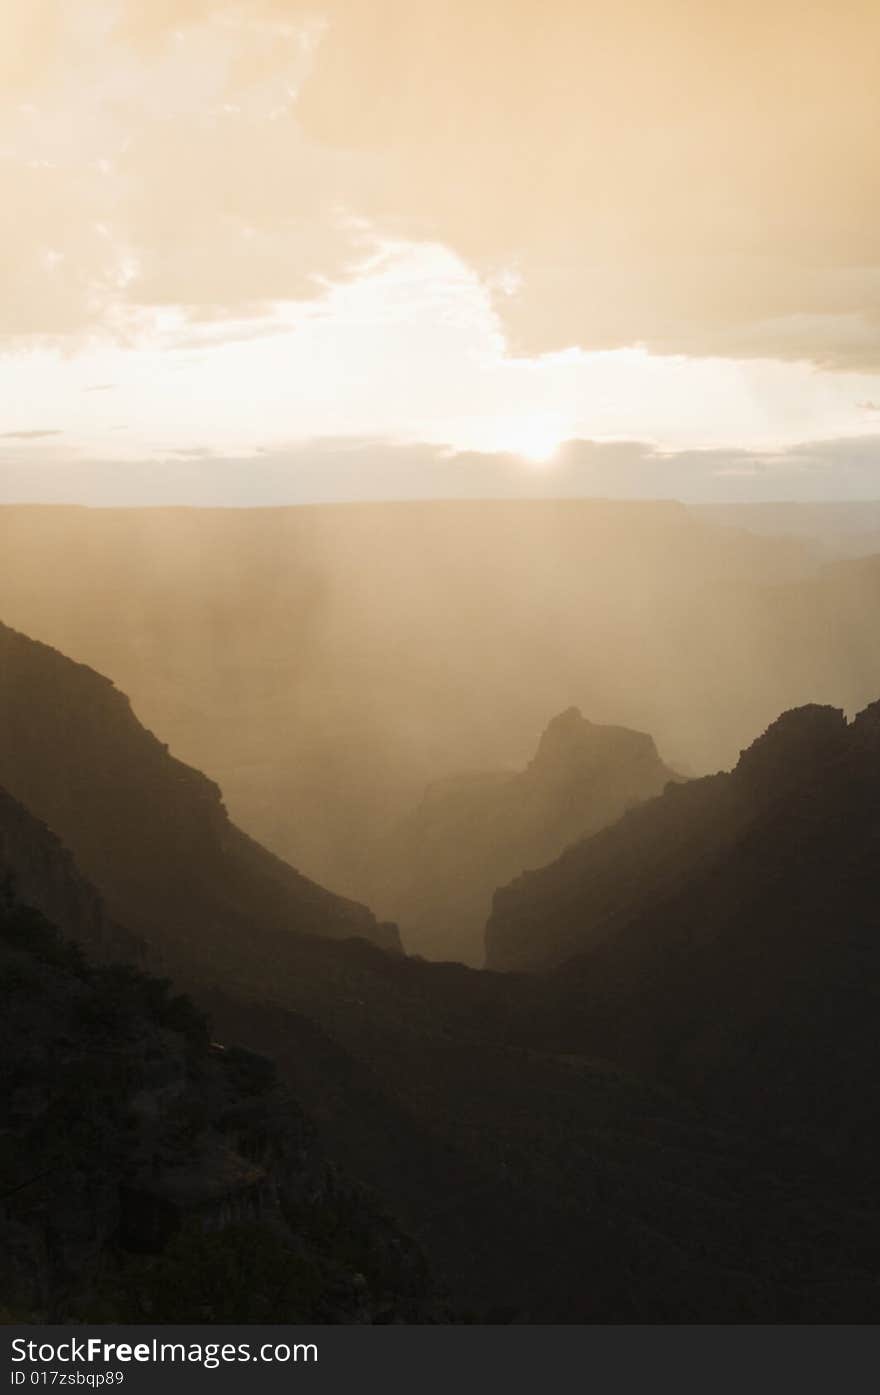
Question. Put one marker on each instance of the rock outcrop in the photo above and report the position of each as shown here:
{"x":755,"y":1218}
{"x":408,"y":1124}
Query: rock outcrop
{"x":474,"y":833}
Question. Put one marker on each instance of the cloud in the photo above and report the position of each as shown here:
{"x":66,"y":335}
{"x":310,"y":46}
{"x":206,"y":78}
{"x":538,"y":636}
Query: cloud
{"x":696,"y":178}
{"x":26,"y":435}
{"x":343,"y":470}
{"x":154,"y":166}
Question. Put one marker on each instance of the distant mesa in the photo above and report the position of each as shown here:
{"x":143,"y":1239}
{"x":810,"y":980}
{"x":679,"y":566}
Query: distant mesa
{"x":473,"y":832}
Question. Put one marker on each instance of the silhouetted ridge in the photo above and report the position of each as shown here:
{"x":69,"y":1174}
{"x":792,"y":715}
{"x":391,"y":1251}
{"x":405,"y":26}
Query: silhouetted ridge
{"x":473,"y":831}
{"x":866,"y":729}
{"x":149,"y":832}
{"x":552,"y":913}
{"x":798,"y":742}
{"x":725,"y":935}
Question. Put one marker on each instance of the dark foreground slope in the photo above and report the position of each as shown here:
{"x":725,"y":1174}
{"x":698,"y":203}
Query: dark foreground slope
{"x":727,"y":934}
{"x":150,"y":833}
{"x":549,"y":1186}
{"x":148,"y":1175}
{"x":470,"y":834}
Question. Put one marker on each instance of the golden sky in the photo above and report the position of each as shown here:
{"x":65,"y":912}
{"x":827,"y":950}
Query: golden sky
{"x":489,"y":225}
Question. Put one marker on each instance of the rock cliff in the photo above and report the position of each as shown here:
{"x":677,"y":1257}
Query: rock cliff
{"x":150,"y":833}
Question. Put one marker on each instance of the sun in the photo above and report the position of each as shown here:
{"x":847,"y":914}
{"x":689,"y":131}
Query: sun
{"x":534,"y":438}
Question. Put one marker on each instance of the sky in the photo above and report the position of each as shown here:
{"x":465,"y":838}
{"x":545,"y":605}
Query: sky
{"x":272,"y":252}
